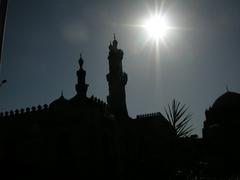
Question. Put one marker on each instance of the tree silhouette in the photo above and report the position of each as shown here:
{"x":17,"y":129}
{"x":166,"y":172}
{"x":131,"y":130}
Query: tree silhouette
{"x":179,"y":118}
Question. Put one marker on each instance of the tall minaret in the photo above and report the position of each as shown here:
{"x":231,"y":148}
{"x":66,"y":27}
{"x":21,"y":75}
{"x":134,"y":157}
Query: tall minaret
{"x":81,"y":86}
{"x":117,"y":79}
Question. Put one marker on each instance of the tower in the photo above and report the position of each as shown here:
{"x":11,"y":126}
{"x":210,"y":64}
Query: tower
{"x":81,"y":86}
{"x":117,"y":80}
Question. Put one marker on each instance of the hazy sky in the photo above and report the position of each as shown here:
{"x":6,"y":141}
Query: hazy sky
{"x":198,"y":59}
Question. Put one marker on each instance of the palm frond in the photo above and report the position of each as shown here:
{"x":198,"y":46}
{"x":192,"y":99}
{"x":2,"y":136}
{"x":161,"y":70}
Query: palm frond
{"x":179,"y":118}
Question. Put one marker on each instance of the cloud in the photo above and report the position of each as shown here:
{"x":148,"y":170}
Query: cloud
{"x":75,"y":33}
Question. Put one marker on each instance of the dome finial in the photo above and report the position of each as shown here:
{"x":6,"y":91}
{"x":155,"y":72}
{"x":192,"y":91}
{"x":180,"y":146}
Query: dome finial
{"x":227,"y":89}
{"x":114,"y":36}
{"x":61,"y":93}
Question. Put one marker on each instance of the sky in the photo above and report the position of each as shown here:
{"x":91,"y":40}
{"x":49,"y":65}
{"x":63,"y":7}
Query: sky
{"x":194,"y":64}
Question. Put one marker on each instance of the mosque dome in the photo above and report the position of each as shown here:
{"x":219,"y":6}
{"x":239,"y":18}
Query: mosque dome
{"x":228,"y":99}
{"x":61,"y":101}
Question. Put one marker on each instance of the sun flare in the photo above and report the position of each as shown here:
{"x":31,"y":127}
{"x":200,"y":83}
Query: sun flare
{"x":156,"y":27}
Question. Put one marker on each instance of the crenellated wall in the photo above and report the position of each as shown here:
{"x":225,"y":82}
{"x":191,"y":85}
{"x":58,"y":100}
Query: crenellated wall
{"x":44,"y":108}
{"x":24,"y":111}
{"x":152,"y":115}
{"x":98,"y":102}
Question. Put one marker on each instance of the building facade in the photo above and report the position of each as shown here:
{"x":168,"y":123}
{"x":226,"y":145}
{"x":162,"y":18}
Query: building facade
{"x":221,"y":135}
{"x":86,"y":137}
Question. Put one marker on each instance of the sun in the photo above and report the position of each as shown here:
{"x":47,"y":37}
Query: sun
{"x":156,"y":27}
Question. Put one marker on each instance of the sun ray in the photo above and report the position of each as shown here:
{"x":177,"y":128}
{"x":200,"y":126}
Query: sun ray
{"x":156,"y":27}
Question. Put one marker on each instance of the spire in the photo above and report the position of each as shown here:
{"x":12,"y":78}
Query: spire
{"x":81,"y":86}
{"x":80,"y":61}
{"x":115,"y":42}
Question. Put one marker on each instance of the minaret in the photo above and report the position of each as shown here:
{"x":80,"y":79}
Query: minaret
{"x":117,"y":79}
{"x":81,"y":86}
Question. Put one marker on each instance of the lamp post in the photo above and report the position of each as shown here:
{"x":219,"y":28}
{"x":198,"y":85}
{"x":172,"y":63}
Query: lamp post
{"x":3,"y":82}
{"x":3,"y":11}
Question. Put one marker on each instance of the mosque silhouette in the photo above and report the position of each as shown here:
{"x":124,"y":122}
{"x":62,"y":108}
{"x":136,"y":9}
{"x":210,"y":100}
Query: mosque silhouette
{"x":84,"y":137}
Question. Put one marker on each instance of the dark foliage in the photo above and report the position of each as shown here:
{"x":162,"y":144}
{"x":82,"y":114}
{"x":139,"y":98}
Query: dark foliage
{"x":179,"y":118}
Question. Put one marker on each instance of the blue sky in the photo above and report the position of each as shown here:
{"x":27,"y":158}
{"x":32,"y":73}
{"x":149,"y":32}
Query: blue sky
{"x":43,"y":40}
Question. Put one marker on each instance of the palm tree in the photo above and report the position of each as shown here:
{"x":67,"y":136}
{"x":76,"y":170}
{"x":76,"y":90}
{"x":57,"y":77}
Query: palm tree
{"x":179,"y":118}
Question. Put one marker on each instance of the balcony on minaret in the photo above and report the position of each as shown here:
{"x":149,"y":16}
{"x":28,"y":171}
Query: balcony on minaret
{"x":124,"y":78}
